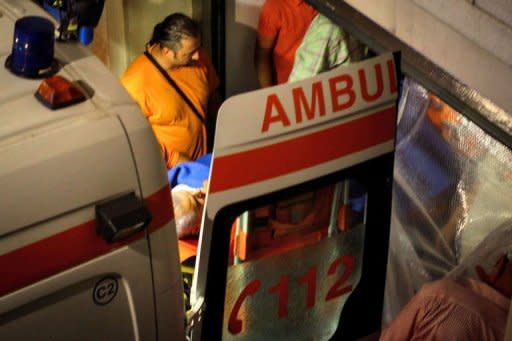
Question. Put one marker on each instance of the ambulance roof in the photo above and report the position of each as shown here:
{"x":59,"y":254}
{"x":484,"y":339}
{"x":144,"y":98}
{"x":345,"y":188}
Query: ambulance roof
{"x":20,"y":112}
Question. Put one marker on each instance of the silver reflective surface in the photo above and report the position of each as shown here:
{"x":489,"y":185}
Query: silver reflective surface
{"x":297,"y":295}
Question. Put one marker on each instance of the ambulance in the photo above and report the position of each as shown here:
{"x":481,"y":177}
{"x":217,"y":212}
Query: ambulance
{"x":88,"y":246}
{"x":295,"y":234}
{"x":87,"y":239}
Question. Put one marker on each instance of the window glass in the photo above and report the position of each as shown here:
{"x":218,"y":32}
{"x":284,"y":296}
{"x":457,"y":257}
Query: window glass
{"x":295,"y":260}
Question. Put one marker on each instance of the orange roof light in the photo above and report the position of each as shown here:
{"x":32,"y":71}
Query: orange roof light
{"x":57,"y":92}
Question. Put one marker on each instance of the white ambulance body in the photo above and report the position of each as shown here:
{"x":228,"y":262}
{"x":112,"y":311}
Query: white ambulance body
{"x":58,"y":278}
{"x":67,"y":173}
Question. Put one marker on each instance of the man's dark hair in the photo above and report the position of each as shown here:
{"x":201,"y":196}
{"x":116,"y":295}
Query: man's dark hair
{"x":173,"y":29}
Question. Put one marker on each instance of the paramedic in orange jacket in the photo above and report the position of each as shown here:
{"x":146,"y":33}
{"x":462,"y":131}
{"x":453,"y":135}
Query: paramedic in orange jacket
{"x":176,"y":46}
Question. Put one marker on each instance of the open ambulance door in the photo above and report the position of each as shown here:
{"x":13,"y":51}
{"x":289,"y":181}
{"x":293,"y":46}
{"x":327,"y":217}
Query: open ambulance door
{"x":451,"y":182}
{"x":295,"y":235}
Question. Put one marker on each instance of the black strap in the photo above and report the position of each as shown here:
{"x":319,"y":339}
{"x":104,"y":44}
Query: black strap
{"x":175,"y":86}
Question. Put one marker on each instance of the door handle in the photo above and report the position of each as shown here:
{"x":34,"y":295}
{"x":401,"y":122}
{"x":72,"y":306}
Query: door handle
{"x":121,"y":217}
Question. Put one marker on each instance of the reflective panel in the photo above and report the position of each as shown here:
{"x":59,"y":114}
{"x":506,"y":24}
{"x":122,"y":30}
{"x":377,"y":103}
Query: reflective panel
{"x":294,"y":261}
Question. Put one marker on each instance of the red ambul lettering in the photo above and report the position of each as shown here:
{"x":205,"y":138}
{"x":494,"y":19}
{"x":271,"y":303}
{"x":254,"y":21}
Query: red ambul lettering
{"x":342,"y":97}
{"x":300,"y":100}
{"x":274,"y":105}
{"x":338,"y":92}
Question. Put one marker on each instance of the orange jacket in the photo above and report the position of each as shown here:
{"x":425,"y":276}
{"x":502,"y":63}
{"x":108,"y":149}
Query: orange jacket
{"x":174,"y":124}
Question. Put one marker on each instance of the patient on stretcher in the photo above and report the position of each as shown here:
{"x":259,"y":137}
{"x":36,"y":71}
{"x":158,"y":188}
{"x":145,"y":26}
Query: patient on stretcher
{"x":279,"y":226}
{"x":189,"y":183}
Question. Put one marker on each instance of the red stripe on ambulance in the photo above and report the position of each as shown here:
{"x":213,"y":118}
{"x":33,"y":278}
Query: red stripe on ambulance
{"x":253,"y":166}
{"x":77,"y":245}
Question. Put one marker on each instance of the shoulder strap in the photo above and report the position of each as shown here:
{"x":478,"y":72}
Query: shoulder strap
{"x":174,"y":85}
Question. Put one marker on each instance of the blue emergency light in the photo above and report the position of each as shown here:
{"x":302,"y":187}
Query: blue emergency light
{"x":33,"y":48}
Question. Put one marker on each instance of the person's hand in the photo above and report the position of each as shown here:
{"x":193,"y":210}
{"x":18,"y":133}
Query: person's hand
{"x":188,"y":210}
{"x":500,"y":277}
{"x":263,"y":61}
{"x":492,"y":277}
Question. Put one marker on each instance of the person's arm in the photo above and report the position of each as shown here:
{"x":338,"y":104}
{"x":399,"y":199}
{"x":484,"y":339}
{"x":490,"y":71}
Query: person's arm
{"x":172,"y":157}
{"x":263,"y":61}
{"x":267,"y":32}
{"x":421,"y":310}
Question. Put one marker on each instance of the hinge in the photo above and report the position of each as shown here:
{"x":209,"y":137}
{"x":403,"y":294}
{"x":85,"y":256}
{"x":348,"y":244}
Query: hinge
{"x":194,"y":315}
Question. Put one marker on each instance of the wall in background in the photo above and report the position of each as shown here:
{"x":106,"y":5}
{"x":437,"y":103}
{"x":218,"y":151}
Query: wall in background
{"x":471,"y":39}
{"x":241,"y":22}
{"x":126,"y":26}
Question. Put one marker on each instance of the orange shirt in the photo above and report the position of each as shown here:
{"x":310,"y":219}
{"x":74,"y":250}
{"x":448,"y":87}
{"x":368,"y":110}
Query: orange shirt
{"x":286,"y":21}
{"x":176,"y":127}
{"x":450,"y":310}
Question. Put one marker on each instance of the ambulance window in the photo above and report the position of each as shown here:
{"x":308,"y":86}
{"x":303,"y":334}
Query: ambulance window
{"x":296,"y":258}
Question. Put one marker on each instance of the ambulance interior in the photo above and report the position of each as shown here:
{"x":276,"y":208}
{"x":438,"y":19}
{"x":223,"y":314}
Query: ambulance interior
{"x":297,"y":221}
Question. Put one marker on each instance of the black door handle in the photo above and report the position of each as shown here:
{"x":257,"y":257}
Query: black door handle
{"x":121,"y":217}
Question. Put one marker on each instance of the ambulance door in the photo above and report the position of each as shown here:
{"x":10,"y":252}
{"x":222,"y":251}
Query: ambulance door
{"x":453,"y":155}
{"x":62,"y":278}
{"x":295,"y":238}
{"x":84,"y":192}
